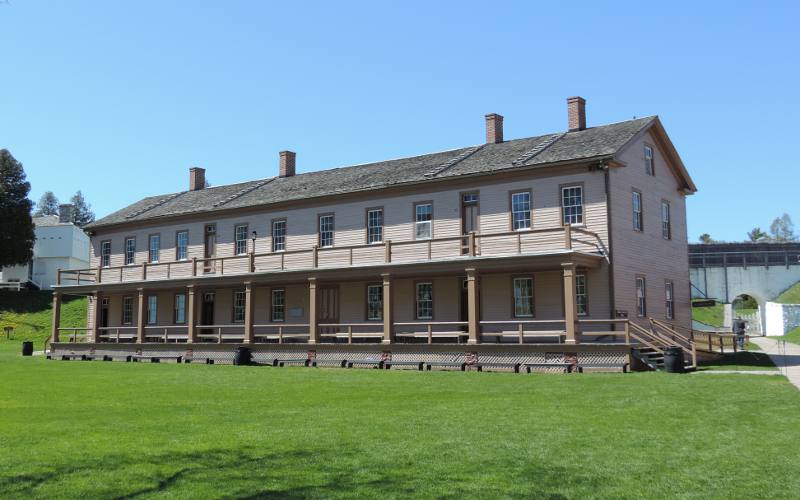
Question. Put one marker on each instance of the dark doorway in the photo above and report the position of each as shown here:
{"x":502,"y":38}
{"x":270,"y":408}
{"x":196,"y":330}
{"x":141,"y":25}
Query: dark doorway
{"x":328,"y":301}
{"x":104,"y":312}
{"x":207,"y":312}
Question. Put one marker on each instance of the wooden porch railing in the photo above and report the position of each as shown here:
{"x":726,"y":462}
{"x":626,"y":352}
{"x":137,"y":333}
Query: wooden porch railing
{"x":520,"y":332}
{"x":495,"y":244}
{"x":431,"y":330}
{"x":281,"y":332}
{"x":117,"y":333}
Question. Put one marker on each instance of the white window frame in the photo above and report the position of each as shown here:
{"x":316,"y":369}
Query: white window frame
{"x":326,"y":230}
{"x":637,"y":212}
{"x":375,"y":302}
{"x":105,"y":253}
{"x":669,"y":299}
{"x":127,"y":310}
{"x":374,"y":225}
{"x":152,"y":309}
{"x":641,"y":297}
{"x":179,"y":308}
{"x":239,"y":306}
{"x":423,"y":219}
{"x":240,"y":239}
{"x":153,"y":248}
{"x":130,"y":253}
{"x":649,"y":161}
{"x":666,"y":220}
{"x":524,"y":297}
{"x":423,"y":305}
{"x":581,"y":294}
{"x":524,"y":222}
{"x":277,"y":310}
{"x":182,"y":247}
{"x":575,"y":217}
{"x":279,"y":227}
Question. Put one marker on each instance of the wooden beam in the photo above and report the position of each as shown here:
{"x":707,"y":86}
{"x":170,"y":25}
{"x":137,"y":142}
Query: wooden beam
{"x":140,"y":317}
{"x":191,"y":336}
{"x":473,"y":314}
{"x":248,"y":313}
{"x":388,"y":334}
{"x":96,"y":315}
{"x":313,"y":330}
{"x":570,"y":303}
{"x":56,"y":315}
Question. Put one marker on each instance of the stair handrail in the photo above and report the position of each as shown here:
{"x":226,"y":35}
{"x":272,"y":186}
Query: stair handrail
{"x":644,"y":333}
{"x":689,"y":347}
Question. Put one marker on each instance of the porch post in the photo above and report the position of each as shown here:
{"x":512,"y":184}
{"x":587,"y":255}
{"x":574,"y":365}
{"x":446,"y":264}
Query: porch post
{"x":140,"y":317}
{"x":56,"y":315}
{"x":313,"y":331}
{"x":96,"y":317}
{"x":190,"y":315}
{"x":248,"y":313}
{"x":473,"y":319}
{"x":388,"y":334}
{"x":570,"y":307}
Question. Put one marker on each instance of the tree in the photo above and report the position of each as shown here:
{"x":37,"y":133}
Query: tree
{"x":48,"y":205}
{"x":81,"y":211}
{"x":16,"y":224}
{"x":756,"y":234}
{"x":706,"y":239}
{"x":782,"y":229}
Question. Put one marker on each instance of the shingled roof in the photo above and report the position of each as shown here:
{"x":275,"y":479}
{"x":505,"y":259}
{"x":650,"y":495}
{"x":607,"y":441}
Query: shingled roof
{"x":595,"y":142}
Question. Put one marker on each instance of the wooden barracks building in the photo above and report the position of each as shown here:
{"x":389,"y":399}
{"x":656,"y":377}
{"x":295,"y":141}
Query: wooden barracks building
{"x":561,"y":248}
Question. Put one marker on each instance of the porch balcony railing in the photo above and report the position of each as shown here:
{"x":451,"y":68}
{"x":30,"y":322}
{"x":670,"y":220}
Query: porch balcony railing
{"x":220,"y":333}
{"x":523,"y":330}
{"x":281,"y":333}
{"x":165,"y":334}
{"x":500,"y":244}
{"x":117,"y":334}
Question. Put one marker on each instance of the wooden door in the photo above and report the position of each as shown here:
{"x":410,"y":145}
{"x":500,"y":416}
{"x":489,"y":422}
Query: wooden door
{"x":328,"y":308}
{"x":104,"y":313}
{"x":207,"y":312}
{"x":469,"y":217}
{"x":210,"y":248}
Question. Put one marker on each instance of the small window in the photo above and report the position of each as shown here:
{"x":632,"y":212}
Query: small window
{"x":130,"y":251}
{"x":523,"y":297}
{"x":375,"y":302}
{"x":424,"y":301}
{"x":105,"y":253}
{"x":238,"y":306}
{"x":127,"y":310}
{"x":278,"y":304}
{"x":180,"y":309}
{"x":669,"y":301}
{"x":153,"y":248}
{"x":521,"y":210}
{"x":637,"y":211}
{"x":641,"y":297}
{"x":240,"y":239}
{"x":326,"y":231}
{"x":649,"y":166}
{"x":666,"y":221}
{"x":581,"y":297}
{"x":278,"y":235}
{"x":572,"y":204}
{"x":375,"y":225}
{"x":152,"y":309}
{"x":182,"y":245}
{"x":423,"y":221}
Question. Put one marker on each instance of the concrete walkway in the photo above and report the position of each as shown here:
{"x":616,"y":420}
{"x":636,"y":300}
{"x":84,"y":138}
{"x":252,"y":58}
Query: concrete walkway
{"x":785,"y":355}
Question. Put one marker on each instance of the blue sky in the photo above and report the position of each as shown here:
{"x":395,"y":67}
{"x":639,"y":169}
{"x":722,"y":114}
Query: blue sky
{"x":119,"y":99}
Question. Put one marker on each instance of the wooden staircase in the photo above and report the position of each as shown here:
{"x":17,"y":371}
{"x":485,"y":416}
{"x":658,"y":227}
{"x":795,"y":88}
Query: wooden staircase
{"x":651,"y":342}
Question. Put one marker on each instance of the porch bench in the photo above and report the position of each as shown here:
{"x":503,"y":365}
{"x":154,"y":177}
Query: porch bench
{"x":199,"y":359}
{"x":330,"y":362}
{"x":71,"y":357}
{"x":623,"y":366}
{"x":365,"y":362}
{"x":123,"y":357}
{"x":154,"y":358}
{"x":281,"y":362}
{"x":515,"y":366}
{"x":567,"y":367}
{"x":452,"y":364}
{"x":419,"y":364}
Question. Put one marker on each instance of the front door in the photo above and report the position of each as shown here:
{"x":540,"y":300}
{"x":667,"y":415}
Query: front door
{"x":328,"y":308}
{"x":207,"y":312}
{"x":104,"y":313}
{"x":464,"y":306}
{"x":469,"y":218}
{"x":210,"y":248}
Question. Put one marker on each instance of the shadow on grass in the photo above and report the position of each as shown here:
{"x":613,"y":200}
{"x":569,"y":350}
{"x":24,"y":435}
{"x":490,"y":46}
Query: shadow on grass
{"x":755,"y":360}
{"x":29,"y":301}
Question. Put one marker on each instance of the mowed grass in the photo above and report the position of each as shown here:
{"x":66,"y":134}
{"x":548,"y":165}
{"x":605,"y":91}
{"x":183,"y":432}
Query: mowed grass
{"x":792,"y":336}
{"x":30,"y":314}
{"x":95,"y":429}
{"x":790,"y":296}
{"x":711,"y":315}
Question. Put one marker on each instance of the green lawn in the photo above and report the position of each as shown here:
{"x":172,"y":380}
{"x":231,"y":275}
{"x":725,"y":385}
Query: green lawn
{"x":713,"y":315}
{"x":94,"y":429}
{"x":30,"y":315}
{"x":790,"y":296}
{"x":792,"y":336}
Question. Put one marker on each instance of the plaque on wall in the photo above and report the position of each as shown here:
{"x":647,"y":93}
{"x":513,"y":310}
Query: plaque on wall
{"x":621,"y":314}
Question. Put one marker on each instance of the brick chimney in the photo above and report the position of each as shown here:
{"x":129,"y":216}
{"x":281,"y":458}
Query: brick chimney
{"x":65,"y":213}
{"x":287,"y":163}
{"x":576,"y":111}
{"x":197,"y":178}
{"x":494,"y":128}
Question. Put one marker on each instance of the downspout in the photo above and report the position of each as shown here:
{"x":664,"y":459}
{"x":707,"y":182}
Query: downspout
{"x":611,"y":298}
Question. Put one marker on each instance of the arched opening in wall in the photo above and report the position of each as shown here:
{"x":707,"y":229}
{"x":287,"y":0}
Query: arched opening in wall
{"x":746,"y":306}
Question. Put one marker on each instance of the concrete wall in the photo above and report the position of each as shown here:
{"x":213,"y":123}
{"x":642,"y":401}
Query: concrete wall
{"x":762,"y":283}
{"x":781,"y":318}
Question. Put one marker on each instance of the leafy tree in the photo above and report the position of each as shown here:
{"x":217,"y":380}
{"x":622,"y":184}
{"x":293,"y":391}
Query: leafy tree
{"x":48,"y":205}
{"x":81,"y":210}
{"x":706,"y":239}
{"x":782,"y":229}
{"x":16,"y":224}
{"x":756,"y":235}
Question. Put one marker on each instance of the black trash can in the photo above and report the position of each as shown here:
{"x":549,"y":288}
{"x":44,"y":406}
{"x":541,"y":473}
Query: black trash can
{"x":27,"y":348}
{"x":243,"y":356}
{"x":673,"y":359}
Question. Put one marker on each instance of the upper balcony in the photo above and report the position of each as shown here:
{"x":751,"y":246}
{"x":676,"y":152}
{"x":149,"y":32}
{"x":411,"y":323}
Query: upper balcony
{"x":547,"y":241}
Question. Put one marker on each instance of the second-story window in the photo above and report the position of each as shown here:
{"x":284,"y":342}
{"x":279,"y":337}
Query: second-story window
{"x":238,"y":306}
{"x":649,"y":165}
{"x":154,"y":246}
{"x":182,"y":245}
{"x":130,"y":250}
{"x":152,"y":309}
{"x":375,"y":302}
{"x":240,"y":239}
{"x":641,"y":297}
{"x":375,"y":225}
{"x":666,"y":221}
{"x":638,"y":223}
{"x":423,"y":221}
{"x":105,"y":253}
{"x":127,"y":310}
{"x":521,"y":210}
{"x":278,"y":304}
{"x":572,"y":204}
{"x":326,"y":230}
{"x":278,"y":235}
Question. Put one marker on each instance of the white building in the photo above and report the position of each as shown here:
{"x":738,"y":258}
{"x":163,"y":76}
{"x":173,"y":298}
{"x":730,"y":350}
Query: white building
{"x":59,"y":245}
